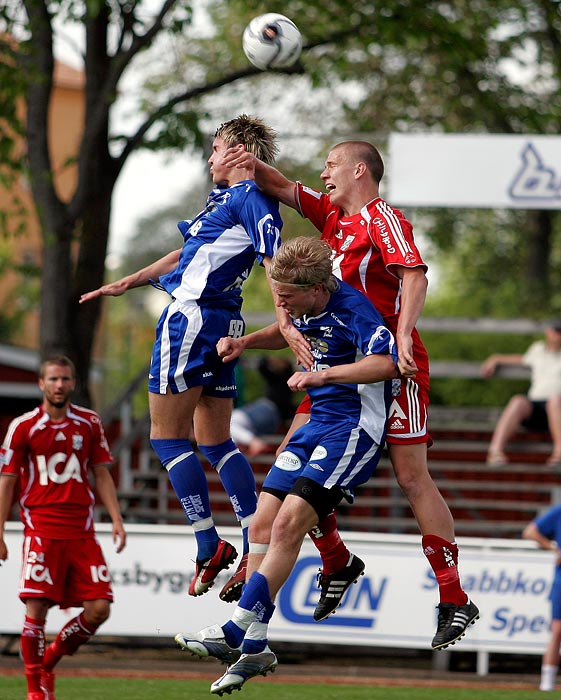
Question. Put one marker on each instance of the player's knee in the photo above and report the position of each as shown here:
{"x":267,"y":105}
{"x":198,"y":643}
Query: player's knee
{"x":413,"y":481}
{"x":37,"y":608}
{"x":259,"y":528}
{"x":289,"y":528}
{"x":283,"y":531}
{"x":97,"y":612}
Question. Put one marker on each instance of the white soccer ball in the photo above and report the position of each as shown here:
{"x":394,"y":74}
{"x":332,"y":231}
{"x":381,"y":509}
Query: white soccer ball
{"x":272,"y":41}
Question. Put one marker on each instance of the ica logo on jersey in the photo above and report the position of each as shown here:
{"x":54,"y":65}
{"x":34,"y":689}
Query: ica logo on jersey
{"x":59,"y":468}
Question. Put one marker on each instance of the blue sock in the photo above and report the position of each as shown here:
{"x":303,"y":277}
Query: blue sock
{"x":233,"y":634}
{"x":238,"y":480}
{"x":254,"y":646}
{"x":188,"y":479}
{"x":256,"y":638}
{"x":255,"y":598}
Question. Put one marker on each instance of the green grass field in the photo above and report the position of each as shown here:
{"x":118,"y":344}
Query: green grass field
{"x":13,"y":688}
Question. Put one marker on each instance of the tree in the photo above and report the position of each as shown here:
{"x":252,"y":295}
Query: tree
{"x":75,"y":234}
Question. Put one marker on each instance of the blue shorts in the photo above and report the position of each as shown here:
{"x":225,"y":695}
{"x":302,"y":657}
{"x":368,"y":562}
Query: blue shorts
{"x":555,"y":598}
{"x":331,"y":454}
{"x":184,"y":354}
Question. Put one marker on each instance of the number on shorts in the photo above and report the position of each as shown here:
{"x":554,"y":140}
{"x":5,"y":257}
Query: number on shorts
{"x":236,"y":328}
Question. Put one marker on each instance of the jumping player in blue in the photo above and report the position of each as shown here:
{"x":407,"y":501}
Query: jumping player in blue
{"x":338,"y":449}
{"x":189,"y":385}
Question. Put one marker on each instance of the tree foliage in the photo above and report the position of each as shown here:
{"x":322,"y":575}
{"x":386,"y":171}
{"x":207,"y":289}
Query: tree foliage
{"x":75,"y":233}
{"x":367,"y":68}
{"x":448,"y":67}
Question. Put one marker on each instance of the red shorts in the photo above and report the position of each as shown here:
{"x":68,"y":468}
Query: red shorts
{"x":66,"y":572}
{"x":407,"y":415}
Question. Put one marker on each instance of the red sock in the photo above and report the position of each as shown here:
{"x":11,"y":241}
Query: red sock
{"x":443,"y":558}
{"x":333,"y":551}
{"x":32,"y":644}
{"x":74,"y":633}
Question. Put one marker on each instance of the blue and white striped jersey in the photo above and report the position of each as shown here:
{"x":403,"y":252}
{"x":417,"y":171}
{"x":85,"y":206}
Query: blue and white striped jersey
{"x":238,"y":226}
{"x":348,"y":329}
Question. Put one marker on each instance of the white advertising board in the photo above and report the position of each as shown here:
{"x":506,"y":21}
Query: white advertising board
{"x":475,"y":170}
{"x":392,"y":605}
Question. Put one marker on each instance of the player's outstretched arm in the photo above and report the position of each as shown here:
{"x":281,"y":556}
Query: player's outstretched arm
{"x":268,"y":338}
{"x":373,"y":368}
{"x":105,"y":487}
{"x":268,"y":179}
{"x":229,"y":348}
{"x":136,"y":279}
{"x":113,"y":289}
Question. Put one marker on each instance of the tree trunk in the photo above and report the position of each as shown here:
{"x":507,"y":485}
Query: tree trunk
{"x":89,"y":273}
{"x":55,"y":285}
{"x":56,"y":226}
{"x":92,"y":201}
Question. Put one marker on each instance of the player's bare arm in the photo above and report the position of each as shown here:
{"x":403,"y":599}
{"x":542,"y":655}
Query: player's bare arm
{"x":268,"y":338}
{"x":229,"y":348}
{"x":413,"y":293}
{"x":373,"y":368}
{"x":294,"y":339}
{"x":105,"y":487}
{"x":268,"y":179}
{"x":136,"y":279}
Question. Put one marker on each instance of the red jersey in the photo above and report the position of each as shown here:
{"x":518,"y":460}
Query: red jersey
{"x":367,"y":246}
{"x":52,"y":461}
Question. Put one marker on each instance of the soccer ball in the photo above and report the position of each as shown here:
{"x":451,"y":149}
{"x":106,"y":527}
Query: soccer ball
{"x":272,"y":41}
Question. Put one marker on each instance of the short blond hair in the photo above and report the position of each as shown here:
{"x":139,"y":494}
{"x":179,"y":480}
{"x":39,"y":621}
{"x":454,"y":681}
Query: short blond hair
{"x":304,"y":261}
{"x":253,"y":134}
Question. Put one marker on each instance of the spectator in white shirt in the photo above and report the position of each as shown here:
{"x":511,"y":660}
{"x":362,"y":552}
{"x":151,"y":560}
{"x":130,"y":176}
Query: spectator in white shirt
{"x":540,"y":408}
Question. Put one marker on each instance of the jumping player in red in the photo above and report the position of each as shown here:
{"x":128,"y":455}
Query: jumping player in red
{"x":52,"y":450}
{"x":375,"y":252}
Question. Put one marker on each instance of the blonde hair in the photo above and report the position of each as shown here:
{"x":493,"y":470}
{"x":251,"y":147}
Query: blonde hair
{"x":252,"y":133}
{"x":305,"y":262}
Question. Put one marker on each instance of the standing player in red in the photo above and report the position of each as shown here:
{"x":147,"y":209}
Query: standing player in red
{"x":52,"y":450}
{"x":375,"y":252}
